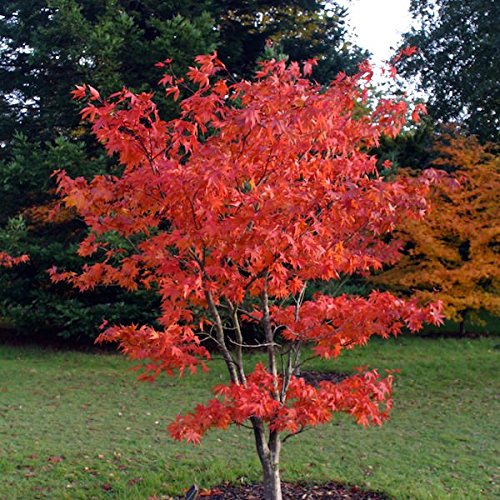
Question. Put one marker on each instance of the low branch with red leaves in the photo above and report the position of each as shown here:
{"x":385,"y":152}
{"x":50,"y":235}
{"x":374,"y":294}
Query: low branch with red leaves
{"x":8,"y":261}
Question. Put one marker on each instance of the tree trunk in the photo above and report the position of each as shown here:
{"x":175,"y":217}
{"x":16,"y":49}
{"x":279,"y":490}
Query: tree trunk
{"x":269,"y":455}
{"x":272,"y":482}
{"x":461,"y":326}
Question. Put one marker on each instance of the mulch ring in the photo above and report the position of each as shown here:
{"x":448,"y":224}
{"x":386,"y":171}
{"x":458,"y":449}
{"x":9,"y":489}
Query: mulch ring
{"x":294,"y":492}
{"x":314,"y":378}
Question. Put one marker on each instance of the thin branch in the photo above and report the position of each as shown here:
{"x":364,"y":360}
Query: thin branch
{"x":304,"y":361}
{"x":296,"y":359}
{"x":300,"y":431}
{"x":239,"y":343}
{"x":245,"y":426}
{"x":287,"y":374}
{"x":266,"y":166}
{"x":340,"y":284}
{"x":271,"y":354}
{"x":191,"y":205}
{"x":254,"y":278}
{"x":230,"y":362}
{"x":249,"y":314}
{"x":145,"y":150}
{"x":254,"y":345}
{"x":299,"y":300}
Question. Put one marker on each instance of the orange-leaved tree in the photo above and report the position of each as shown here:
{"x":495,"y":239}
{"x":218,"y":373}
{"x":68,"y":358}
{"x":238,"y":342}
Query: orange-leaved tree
{"x":228,"y":211}
{"x":454,"y":252}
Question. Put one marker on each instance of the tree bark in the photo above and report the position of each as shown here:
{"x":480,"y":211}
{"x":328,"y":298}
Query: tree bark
{"x":219,"y":328}
{"x":269,"y":455}
{"x":269,"y":452}
{"x":272,"y":483}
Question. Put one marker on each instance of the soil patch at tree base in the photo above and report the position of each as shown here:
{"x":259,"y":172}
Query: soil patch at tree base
{"x":294,"y":492}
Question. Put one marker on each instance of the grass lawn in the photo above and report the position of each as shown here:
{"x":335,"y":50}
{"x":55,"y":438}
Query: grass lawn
{"x":76,"y":425}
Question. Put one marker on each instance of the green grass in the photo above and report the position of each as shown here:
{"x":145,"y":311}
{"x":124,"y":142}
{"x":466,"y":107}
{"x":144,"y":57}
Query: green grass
{"x":75,"y":425}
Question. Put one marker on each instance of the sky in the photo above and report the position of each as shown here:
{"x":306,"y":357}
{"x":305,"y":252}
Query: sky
{"x":378,"y":24}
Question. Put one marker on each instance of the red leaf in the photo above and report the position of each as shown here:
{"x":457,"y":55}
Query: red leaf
{"x":80,"y":92}
{"x":93,"y":93}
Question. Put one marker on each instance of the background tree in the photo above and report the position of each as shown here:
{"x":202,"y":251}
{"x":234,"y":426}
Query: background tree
{"x":46,"y":47}
{"x":302,"y":28}
{"x":454,"y":252}
{"x":413,"y":148}
{"x":456,"y":66}
{"x":232,"y":226}
{"x":49,"y":45}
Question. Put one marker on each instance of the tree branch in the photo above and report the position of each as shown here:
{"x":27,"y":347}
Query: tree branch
{"x":271,"y":354}
{"x":219,"y":328}
{"x":300,"y":431}
{"x":239,"y":341}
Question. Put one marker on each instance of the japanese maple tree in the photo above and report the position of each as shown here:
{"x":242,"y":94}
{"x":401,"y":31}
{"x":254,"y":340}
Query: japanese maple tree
{"x":228,"y":212}
{"x":453,"y":253}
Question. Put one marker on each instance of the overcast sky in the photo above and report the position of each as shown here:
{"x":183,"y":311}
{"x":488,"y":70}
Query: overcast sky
{"x":378,"y":24}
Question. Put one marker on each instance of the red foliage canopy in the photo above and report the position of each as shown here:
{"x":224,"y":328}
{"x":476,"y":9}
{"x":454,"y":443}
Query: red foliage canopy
{"x":228,"y":211}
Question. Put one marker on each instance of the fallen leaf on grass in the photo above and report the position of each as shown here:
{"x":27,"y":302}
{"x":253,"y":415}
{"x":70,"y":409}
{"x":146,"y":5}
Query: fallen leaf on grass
{"x":55,"y":459}
{"x":135,"y":480}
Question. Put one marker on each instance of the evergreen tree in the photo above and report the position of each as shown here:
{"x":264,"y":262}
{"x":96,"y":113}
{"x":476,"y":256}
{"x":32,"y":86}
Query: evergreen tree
{"x":47,"y":47}
{"x":303,"y":28}
{"x":456,"y":63}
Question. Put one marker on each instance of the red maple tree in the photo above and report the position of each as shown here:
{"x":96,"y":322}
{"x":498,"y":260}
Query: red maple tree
{"x":228,"y":212}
